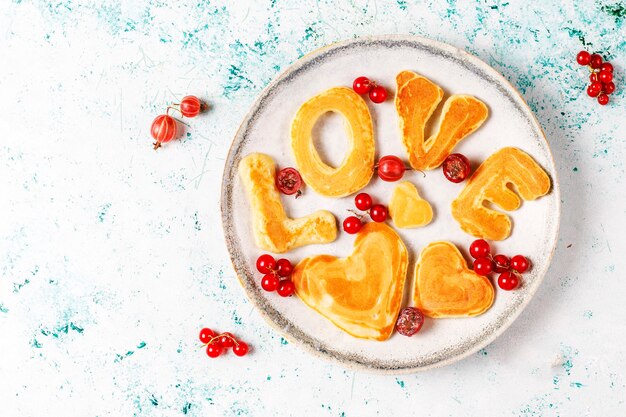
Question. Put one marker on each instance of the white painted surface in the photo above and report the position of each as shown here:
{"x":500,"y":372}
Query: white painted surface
{"x":99,"y":231}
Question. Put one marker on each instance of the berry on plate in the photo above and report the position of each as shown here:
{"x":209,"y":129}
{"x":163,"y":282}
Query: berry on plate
{"x":410,"y":321}
{"x":352,"y":225}
{"x":479,"y":249}
{"x":508,"y":281}
{"x":390,"y":168}
{"x":456,"y":167}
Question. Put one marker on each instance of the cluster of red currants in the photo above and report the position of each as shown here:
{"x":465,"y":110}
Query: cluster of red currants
{"x":364,"y":85}
{"x":601,"y":76}
{"x":509,"y":269}
{"x":364,"y":202}
{"x":164,"y":126}
{"x":276,"y":276}
{"x":216,"y":344}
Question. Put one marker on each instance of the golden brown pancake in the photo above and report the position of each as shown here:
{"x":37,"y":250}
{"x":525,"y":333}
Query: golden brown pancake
{"x":416,"y":100}
{"x":272,"y":229}
{"x":445,"y":287}
{"x":407,"y":208}
{"x":358,"y":165}
{"x":360,"y":294}
{"x":491,"y":183}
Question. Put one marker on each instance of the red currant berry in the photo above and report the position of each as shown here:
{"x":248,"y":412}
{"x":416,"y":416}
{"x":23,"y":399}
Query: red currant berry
{"x":606,"y":67}
{"x":286,"y":288}
{"x":479,"y":249}
{"x":594,"y":89}
{"x":284,"y":267}
{"x":363,"y":201}
{"x":603,"y":99}
{"x":508,"y":281}
{"x":378,"y":213}
{"x":609,"y":88}
{"x":483,"y":266}
{"x":265,"y":264}
{"x":605,"y":76}
{"x":595,"y":61}
{"x":520,"y":263}
{"x":190,"y":106}
{"x":214,"y":350}
{"x":163,"y":129}
{"x":352,"y":225}
{"x":583,"y":58}
{"x":362,"y":85}
{"x":593,"y":77}
{"x":501,"y":263}
{"x":206,"y":335}
{"x":270,"y":282}
{"x":227,"y":340}
{"x":390,"y":168}
{"x":289,"y":181}
{"x":240,"y":348}
{"x":456,"y":167}
{"x":378,"y":94}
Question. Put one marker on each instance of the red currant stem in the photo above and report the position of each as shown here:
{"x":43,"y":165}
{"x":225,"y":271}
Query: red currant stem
{"x":357,"y":215}
{"x":157,"y":145}
{"x":173,"y":108}
{"x":220,"y":335}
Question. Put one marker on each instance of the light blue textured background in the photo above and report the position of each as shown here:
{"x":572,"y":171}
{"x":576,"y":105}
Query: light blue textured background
{"x":111,"y":254}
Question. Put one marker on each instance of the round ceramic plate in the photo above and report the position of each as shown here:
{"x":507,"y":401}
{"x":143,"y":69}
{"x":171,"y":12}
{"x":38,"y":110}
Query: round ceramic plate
{"x":266,"y":129}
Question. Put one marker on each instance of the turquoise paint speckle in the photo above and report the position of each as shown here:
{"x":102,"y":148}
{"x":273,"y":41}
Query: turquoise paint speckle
{"x":617,"y":10}
{"x":235,"y":317}
{"x":400,"y":383}
{"x":187,"y":407}
{"x":196,"y":222}
{"x":283,"y":341}
{"x":17,"y":286}
{"x":401,"y":4}
{"x":3,"y":309}
{"x":576,"y":385}
{"x":141,"y":345}
{"x":103,"y":212}
{"x":568,"y":365}
{"x":588,"y":314}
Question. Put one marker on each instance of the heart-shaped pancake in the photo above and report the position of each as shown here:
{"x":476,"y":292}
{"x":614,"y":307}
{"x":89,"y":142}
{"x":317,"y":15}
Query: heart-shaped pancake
{"x":407,"y":208}
{"x":360,"y":294}
{"x":445,"y":287}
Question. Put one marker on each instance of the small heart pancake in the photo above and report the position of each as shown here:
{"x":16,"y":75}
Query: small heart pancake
{"x":445,"y":287}
{"x":360,"y":294}
{"x":407,"y":208}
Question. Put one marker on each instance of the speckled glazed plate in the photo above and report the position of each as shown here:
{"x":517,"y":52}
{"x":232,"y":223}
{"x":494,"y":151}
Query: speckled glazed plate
{"x":266,"y":129}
